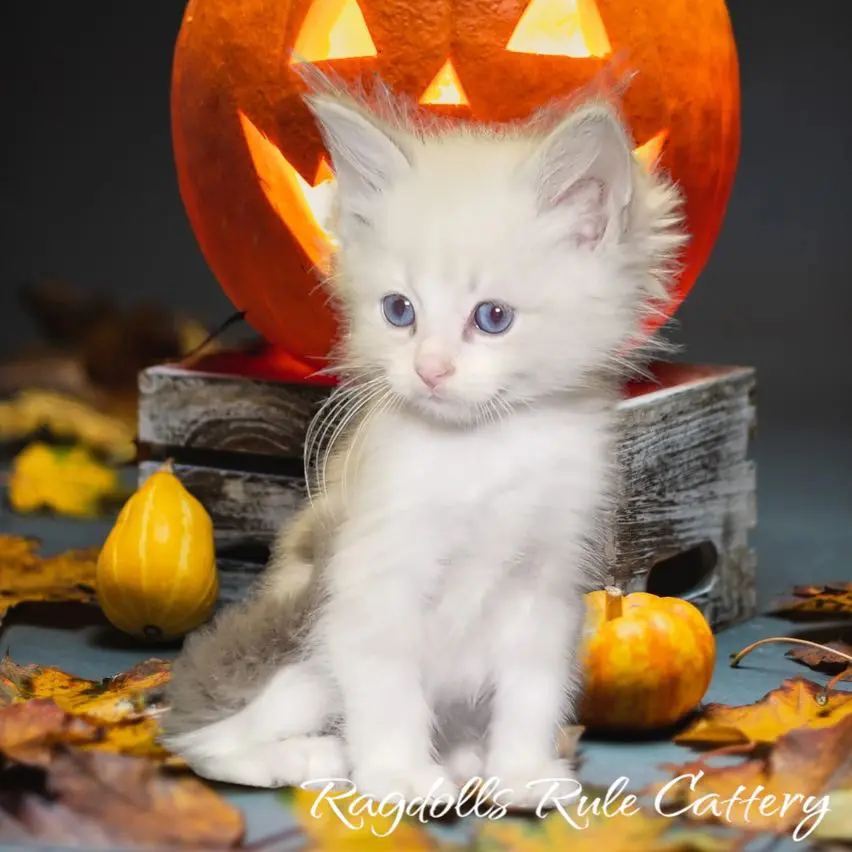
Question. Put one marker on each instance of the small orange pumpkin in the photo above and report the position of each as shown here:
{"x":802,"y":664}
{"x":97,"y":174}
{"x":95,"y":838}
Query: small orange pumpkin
{"x":648,"y":660}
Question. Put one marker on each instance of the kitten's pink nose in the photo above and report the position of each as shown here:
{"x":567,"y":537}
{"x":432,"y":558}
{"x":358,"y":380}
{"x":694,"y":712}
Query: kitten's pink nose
{"x":433,"y":369}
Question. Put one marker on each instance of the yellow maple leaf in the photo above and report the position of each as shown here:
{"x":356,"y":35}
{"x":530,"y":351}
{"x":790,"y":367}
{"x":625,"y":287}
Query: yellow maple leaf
{"x":27,"y":576}
{"x":797,"y":703}
{"x":783,"y":791}
{"x":68,"y":480}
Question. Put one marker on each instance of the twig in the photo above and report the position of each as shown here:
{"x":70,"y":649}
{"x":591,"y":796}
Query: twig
{"x":735,"y":658}
{"x":822,"y":697}
{"x":189,"y":357}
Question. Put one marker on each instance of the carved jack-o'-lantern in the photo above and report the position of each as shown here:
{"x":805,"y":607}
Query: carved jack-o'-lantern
{"x":251,"y":165}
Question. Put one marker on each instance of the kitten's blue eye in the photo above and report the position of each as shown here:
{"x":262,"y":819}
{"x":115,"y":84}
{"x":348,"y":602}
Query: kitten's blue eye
{"x":493,"y":318}
{"x":398,"y":310}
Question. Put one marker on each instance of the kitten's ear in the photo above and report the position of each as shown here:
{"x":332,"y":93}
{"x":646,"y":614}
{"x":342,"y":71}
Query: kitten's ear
{"x":364,"y":157}
{"x":585,"y":167}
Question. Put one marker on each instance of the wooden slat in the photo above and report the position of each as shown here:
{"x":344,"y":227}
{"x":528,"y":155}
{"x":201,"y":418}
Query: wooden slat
{"x":203,"y":411}
{"x":684,"y":453}
{"x":214,"y":411}
{"x":246,"y":508}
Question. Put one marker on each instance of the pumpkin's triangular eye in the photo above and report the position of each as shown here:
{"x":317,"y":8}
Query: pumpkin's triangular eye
{"x":561,"y":28}
{"x":445,"y":88}
{"x":333,"y":29}
{"x":304,"y":208}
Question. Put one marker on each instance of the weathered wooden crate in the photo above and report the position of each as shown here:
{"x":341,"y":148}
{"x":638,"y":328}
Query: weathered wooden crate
{"x":684,"y":517}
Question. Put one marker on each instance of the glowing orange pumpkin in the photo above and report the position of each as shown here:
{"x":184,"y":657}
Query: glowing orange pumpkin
{"x":253,"y":172}
{"x":648,"y":660}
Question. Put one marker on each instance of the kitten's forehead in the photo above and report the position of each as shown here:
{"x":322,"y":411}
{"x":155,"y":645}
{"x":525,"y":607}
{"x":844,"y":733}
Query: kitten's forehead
{"x":464,"y":198}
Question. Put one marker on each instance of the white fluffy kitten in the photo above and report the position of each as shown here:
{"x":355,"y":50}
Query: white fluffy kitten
{"x":419,"y":621}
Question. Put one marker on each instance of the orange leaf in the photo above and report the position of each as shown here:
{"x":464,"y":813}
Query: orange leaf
{"x":26,"y":576}
{"x":801,"y":769}
{"x":115,"y":699}
{"x":795,"y":704}
{"x":118,"y":710}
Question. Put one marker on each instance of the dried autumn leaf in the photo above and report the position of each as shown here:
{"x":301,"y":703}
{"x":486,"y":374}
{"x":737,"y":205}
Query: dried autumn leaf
{"x":622,"y":832}
{"x":837,"y":823}
{"x":822,"y":660}
{"x":29,"y":732}
{"x":327,"y":832}
{"x":795,"y":704}
{"x":817,"y":600}
{"x":111,"y":799}
{"x":67,"y":418}
{"x":782,"y":792}
{"x":119,"y":709}
{"x":121,"y":698}
{"x":26,"y":576}
{"x":66,"y":480}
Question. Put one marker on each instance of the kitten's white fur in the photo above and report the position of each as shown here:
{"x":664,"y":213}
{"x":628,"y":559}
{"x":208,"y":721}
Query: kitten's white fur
{"x":460,"y":528}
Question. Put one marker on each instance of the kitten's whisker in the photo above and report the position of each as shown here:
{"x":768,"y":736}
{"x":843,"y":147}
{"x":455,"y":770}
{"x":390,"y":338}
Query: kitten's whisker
{"x":370,"y":392}
{"x":323,"y":424}
{"x":377,"y":408}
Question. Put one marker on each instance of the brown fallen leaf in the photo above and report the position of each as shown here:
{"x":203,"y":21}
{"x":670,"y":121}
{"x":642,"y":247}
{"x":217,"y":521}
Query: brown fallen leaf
{"x":820,"y":660}
{"x":833,"y":599}
{"x":783,"y":791}
{"x":121,"y":711}
{"x":27,"y":576}
{"x":30,"y":731}
{"x":795,"y":704}
{"x":105,"y":800}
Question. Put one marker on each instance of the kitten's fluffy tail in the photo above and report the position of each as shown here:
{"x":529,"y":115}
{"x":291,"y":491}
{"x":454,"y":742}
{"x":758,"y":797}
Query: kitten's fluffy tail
{"x":227,"y":663}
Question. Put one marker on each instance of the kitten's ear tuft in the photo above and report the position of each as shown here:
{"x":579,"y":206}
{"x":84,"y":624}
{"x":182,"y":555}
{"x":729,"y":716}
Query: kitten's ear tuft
{"x":585,"y":167}
{"x":364,"y":157}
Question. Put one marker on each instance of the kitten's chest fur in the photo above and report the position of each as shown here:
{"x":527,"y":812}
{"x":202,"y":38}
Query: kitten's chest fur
{"x":484,"y":517}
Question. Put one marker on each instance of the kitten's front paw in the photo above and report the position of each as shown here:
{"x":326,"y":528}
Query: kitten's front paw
{"x":535,"y":787}
{"x":429,"y":782}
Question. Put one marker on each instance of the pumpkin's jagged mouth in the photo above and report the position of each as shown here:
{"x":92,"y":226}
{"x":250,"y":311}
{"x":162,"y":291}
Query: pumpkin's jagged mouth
{"x":305,"y":208}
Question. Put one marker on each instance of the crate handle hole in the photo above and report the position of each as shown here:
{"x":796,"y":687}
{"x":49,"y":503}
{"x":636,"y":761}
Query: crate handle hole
{"x":684,"y":573}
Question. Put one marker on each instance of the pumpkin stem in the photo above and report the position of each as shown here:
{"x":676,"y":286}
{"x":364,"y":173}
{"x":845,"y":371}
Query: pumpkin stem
{"x":614,"y":603}
{"x":735,"y":658}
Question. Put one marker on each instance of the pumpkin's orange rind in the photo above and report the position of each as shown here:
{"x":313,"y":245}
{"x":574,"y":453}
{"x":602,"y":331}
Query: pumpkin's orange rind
{"x":646,"y":668}
{"x":233,"y":59}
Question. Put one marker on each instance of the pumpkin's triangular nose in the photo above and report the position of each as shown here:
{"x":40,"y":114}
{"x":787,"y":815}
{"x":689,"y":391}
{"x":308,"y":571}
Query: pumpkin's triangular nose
{"x":445,"y":88}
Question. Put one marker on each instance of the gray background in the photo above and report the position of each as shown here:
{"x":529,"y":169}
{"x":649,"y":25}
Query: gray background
{"x":89,"y":194}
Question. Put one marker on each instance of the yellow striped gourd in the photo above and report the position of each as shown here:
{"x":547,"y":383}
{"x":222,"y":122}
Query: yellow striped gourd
{"x":157,"y":577}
